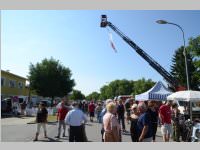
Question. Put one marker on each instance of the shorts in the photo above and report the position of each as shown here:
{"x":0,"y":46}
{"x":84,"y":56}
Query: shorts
{"x":43,"y":125}
{"x":166,"y":129}
{"x":91,"y":114}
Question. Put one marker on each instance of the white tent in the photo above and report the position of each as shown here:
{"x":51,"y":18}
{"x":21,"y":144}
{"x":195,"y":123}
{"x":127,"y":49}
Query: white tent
{"x":157,"y":92}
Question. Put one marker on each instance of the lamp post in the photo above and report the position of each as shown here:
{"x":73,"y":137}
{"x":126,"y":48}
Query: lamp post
{"x":184,"y":51}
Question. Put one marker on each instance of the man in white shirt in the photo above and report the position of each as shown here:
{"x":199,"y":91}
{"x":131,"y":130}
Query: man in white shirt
{"x":75,"y":119}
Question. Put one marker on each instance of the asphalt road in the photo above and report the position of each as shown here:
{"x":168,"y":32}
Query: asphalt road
{"x":19,"y":131}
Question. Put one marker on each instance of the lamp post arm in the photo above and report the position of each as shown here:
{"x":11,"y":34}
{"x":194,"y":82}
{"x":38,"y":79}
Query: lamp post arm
{"x":182,"y":32}
{"x":184,"y":53}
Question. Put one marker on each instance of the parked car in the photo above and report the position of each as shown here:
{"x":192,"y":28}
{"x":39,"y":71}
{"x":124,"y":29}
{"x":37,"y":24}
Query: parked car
{"x":8,"y":105}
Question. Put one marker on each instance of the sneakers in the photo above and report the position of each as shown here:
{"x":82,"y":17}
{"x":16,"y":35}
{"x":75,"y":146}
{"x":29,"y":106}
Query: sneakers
{"x":57,"y":137}
{"x":35,"y":139}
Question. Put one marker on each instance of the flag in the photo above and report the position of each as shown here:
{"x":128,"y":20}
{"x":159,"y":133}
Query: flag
{"x":111,"y":41}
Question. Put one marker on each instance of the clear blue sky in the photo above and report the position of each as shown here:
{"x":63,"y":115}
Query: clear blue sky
{"x":76,"y":39}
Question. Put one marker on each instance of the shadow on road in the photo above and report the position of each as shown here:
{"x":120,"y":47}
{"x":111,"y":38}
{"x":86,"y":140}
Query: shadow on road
{"x":126,"y":133}
{"x":50,"y":140}
{"x":87,"y":124}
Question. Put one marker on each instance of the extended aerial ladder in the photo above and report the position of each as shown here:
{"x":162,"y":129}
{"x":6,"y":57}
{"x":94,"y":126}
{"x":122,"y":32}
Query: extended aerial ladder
{"x":166,"y":75}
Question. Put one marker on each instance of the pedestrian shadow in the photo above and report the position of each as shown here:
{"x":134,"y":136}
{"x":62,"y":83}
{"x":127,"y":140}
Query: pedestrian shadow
{"x":50,"y":140}
{"x":88,"y":124}
{"x":52,"y":123}
{"x":126,"y":133}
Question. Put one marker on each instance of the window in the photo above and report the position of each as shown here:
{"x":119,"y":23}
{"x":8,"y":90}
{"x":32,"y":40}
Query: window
{"x":20,"y":85}
{"x":12,"y":83}
{"x":3,"y":81}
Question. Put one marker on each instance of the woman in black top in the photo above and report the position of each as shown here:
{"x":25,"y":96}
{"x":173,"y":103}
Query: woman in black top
{"x":153,"y":112}
{"x":134,"y":119}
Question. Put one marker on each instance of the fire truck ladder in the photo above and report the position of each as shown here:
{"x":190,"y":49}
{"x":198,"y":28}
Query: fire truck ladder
{"x":167,"y":76}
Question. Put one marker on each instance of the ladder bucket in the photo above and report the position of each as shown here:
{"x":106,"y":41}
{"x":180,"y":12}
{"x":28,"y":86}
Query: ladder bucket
{"x":103,"y":21}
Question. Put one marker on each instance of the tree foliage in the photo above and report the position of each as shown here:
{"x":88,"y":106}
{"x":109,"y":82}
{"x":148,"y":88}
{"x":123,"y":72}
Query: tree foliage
{"x":49,"y":78}
{"x":142,"y":85}
{"x":77,"y":95}
{"x":178,"y":64}
{"x":93,"y":96}
{"x":125,"y":87}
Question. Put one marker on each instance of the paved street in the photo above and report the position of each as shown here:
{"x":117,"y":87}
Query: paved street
{"x":17,"y":130}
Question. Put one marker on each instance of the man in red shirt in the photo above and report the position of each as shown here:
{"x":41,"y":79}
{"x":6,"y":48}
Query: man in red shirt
{"x":91,"y":108}
{"x":165,"y":118}
{"x":62,"y":112}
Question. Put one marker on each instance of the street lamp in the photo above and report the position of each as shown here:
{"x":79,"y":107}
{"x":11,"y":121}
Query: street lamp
{"x":184,"y":51}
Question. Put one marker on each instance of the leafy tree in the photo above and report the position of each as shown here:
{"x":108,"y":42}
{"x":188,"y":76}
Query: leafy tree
{"x":77,"y":95}
{"x":178,"y":69}
{"x":93,"y":96}
{"x":106,"y":92}
{"x":49,"y":78}
{"x":142,"y":85}
{"x":121,"y":87}
{"x":194,"y":48}
{"x":125,"y":87}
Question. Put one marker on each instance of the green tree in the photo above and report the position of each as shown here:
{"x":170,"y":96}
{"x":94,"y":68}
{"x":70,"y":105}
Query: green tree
{"x":142,"y":85}
{"x":194,"y":48}
{"x":125,"y":87}
{"x":106,"y":92}
{"x":178,"y":69}
{"x":121,"y":87}
{"x":77,"y":95}
{"x":49,"y":78}
{"x":93,"y":96}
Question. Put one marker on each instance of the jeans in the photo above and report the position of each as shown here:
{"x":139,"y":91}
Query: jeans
{"x":60,"y":124}
{"x":154,"y":129}
{"x":121,"y":118}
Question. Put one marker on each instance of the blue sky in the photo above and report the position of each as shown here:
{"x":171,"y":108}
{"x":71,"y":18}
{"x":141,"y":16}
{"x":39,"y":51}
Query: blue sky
{"x":75,"y":38}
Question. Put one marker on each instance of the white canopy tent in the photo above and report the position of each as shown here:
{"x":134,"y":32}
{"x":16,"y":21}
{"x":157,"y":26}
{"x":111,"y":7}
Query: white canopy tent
{"x":157,"y":92}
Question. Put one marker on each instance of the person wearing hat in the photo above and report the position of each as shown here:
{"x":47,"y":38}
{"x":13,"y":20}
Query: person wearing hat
{"x":76,"y":119}
{"x":134,"y":119}
{"x":41,"y":120}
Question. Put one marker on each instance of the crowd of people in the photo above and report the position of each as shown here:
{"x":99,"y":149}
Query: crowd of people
{"x":143,"y":117}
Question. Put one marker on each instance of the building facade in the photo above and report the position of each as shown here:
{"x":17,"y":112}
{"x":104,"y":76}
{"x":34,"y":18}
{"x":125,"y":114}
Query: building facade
{"x":13,"y":85}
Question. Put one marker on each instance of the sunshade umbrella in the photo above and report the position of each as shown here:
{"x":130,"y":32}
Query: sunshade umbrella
{"x":189,"y":96}
{"x":185,"y":96}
